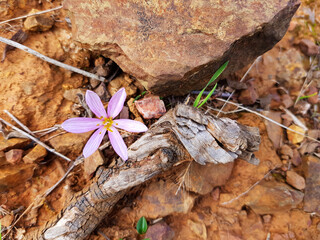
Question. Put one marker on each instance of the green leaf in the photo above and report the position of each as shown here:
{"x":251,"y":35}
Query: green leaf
{"x":208,"y":96}
{"x":214,"y":77}
{"x":0,"y":232}
{"x":142,"y":225}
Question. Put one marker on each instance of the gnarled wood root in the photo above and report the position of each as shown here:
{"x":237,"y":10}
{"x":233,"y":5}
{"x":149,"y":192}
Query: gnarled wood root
{"x":184,"y":133}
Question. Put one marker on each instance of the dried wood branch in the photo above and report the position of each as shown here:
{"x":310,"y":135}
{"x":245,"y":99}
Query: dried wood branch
{"x":183,"y":134}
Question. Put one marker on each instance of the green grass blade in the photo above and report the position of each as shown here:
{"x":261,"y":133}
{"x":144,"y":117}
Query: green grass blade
{"x":208,"y":96}
{"x":308,"y":96}
{"x":214,"y":77}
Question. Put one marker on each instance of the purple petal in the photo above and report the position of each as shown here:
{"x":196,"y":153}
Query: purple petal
{"x":81,"y":125}
{"x":95,"y":104}
{"x":116,"y":103}
{"x":118,"y":144}
{"x":130,"y":125}
{"x":94,"y":142}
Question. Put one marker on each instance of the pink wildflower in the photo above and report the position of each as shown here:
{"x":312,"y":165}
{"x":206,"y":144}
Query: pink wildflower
{"x":104,"y":122}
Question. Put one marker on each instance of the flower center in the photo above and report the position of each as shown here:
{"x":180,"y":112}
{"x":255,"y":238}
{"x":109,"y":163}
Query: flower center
{"x":107,"y":122}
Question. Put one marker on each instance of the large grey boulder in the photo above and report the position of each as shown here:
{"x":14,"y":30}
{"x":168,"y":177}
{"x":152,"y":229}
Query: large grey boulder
{"x":175,"y":46}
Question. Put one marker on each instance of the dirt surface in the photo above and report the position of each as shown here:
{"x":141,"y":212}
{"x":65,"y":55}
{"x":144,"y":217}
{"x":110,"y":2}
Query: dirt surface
{"x":284,"y":204}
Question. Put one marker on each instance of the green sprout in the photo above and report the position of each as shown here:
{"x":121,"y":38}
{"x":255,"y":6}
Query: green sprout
{"x":142,"y":225}
{"x":308,"y":96}
{"x":214,"y":77}
{"x":139,"y":96}
{"x":0,"y":232}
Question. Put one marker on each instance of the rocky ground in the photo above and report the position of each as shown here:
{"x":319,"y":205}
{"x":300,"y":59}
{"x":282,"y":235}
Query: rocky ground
{"x":197,"y":202}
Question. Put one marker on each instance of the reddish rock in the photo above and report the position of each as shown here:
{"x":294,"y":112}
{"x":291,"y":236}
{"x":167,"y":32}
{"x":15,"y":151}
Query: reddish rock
{"x":248,"y":96}
{"x":162,"y":198}
{"x":14,"y":156}
{"x":308,"y":47}
{"x":275,"y":132}
{"x":172,"y":47}
{"x":311,"y":169}
{"x":92,"y":162}
{"x":37,"y":154}
{"x":13,"y":175}
{"x":6,"y":220}
{"x":202,"y":179}
{"x":150,"y":107}
{"x":296,"y":159}
{"x":286,"y":150}
{"x":295,"y":180}
{"x":198,"y":228}
{"x":286,"y":101}
{"x":160,"y":231}
{"x":273,"y":197}
{"x":227,"y":235}
{"x":123,"y":80}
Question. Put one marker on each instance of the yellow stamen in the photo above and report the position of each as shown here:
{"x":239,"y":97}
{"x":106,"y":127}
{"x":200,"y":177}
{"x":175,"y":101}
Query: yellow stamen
{"x":107,"y":122}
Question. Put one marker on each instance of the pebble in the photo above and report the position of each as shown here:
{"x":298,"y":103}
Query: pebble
{"x":309,"y":48}
{"x":295,"y":137}
{"x":295,"y":180}
{"x":6,"y":145}
{"x":150,"y":106}
{"x":160,"y":231}
{"x":313,"y":99}
{"x":92,"y":162}
{"x":286,"y":150}
{"x":41,"y":22}
{"x":14,"y":156}
{"x":37,"y":154}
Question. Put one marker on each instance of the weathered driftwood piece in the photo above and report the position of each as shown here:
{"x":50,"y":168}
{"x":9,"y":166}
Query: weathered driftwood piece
{"x":184,"y":133}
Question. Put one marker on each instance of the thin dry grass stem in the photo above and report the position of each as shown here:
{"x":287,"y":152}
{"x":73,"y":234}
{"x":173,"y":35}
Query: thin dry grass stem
{"x":244,"y":76}
{"x":24,"y":127}
{"x":249,"y":189}
{"x":50,"y":60}
{"x":305,"y":85}
{"x":36,"y":140}
{"x":269,"y":119}
{"x":33,"y":14}
{"x":46,"y":131}
{"x":183,"y":177}
{"x":295,"y":119}
{"x":229,"y":112}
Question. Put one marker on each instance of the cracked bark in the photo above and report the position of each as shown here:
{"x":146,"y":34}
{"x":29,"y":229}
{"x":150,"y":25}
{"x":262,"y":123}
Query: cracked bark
{"x":182,"y":134}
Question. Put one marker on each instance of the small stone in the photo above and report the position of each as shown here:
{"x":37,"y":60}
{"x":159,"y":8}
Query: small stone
{"x":215,"y":194}
{"x":150,"y":106}
{"x":37,"y":154}
{"x":203,"y":178}
{"x":6,"y":145}
{"x":248,"y":96}
{"x":6,"y":220}
{"x":198,"y":228}
{"x":267,"y":218}
{"x":308,"y":47}
{"x":92,"y":162}
{"x":94,"y":83}
{"x":272,"y":197}
{"x":14,"y":156}
{"x":295,"y":180}
{"x":72,"y":96}
{"x":160,"y":231}
{"x":134,"y":110}
{"x":3,"y":160}
{"x":286,"y":150}
{"x":295,"y":137}
{"x":286,"y":101}
{"x":314,"y":133}
{"x":123,"y":80}
{"x":99,"y":61}
{"x":302,"y":107}
{"x":40,"y":22}
{"x":101,"y":91}
{"x":296,"y":159}
{"x":161,"y":199}
{"x":314,"y":99}
{"x":311,"y":169}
